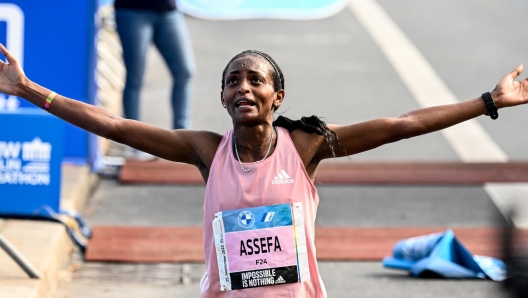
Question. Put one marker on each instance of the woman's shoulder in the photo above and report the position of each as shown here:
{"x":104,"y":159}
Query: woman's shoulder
{"x":205,"y":143}
{"x":204,"y":138}
{"x":306,"y":143}
{"x":300,"y":136}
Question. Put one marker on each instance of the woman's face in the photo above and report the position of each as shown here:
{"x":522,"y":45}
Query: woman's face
{"x":248,"y":94}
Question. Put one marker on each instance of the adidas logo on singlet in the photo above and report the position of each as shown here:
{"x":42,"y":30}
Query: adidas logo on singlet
{"x":282,"y":178}
{"x":280,"y":280}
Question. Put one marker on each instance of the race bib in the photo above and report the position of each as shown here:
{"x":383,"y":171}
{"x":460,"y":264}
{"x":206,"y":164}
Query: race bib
{"x":261,"y":246}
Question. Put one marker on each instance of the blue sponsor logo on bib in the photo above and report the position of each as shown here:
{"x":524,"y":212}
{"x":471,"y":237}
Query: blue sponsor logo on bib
{"x":246,"y":219}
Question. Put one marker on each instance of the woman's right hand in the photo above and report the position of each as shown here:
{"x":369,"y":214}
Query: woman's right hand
{"x":12,"y":77}
{"x":509,"y":92}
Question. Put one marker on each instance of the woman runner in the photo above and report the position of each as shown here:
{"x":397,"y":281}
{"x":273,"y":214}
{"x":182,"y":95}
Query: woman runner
{"x":260,"y":201}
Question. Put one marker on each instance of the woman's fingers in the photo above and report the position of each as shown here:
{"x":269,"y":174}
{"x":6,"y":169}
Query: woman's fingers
{"x":508,"y":79}
{"x":507,"y":83}
{"x":10,"y":59}
{"x":515,"y":73}
{"x":11,"y":74}
{"x":511,"y":92}
{"x":2,"y":49}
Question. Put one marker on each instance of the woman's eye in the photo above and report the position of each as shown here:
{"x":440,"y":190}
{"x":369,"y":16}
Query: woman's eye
{"x":231,"y":81}
{"x":257,"y":80}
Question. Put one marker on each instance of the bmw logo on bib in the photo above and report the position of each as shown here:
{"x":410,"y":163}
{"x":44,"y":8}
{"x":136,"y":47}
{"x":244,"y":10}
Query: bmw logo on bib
{"x":246,"y":219}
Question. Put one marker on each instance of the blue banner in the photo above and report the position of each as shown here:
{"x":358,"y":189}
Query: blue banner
{"x":54,"y":40}
{"x":30,"y":161}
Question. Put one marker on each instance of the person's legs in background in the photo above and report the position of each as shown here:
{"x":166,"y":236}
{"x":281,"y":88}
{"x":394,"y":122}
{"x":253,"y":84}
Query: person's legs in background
{"x":135,"y":29}
{"x":172,"y":39}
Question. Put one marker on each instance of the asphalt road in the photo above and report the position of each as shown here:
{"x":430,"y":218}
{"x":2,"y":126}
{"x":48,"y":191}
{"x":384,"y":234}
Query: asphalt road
{"x":335,"y":69}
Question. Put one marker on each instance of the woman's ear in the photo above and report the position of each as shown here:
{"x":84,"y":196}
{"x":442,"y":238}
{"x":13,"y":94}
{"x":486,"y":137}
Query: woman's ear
{"x":222,"y":100}
{"x":278,"y":99}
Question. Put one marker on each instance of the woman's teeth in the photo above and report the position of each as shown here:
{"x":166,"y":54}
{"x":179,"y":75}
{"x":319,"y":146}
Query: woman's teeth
{"x":244,"y":104}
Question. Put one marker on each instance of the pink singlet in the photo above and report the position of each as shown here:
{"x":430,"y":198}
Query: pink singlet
{"x":259,"y":226}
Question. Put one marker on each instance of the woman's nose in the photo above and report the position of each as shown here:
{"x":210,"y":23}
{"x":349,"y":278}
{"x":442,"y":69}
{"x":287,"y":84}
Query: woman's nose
{"x":243,"y":88}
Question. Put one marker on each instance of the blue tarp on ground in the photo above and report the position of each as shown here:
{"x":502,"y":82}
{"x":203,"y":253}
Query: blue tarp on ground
{"x":443,"y":255}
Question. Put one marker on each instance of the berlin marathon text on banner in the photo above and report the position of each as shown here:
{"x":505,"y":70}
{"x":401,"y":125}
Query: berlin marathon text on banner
{"x":261,"y":246}
{"x":30,"y":161}
{"x":25,"y":163}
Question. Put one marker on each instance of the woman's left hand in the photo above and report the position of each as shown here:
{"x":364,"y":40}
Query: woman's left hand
{"x":12,"y":77}
{"x":509,"y":92}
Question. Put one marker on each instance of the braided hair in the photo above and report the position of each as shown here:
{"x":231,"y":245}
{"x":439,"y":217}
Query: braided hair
{"x":312,"y":124}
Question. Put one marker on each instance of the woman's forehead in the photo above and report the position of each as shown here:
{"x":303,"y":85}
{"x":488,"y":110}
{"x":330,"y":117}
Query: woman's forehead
{"x":249,"y":62}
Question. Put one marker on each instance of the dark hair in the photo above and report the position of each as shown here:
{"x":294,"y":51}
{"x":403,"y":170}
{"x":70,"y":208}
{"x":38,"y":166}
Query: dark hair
{"x":312,"y":124}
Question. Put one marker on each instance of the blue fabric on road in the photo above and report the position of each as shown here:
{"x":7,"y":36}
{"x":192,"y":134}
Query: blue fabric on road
{"x":445,"y":256}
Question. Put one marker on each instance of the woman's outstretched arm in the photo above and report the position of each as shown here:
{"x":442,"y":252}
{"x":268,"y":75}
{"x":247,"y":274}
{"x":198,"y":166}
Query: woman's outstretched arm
{"x":371,"y":134}
{"x":194,"y":147}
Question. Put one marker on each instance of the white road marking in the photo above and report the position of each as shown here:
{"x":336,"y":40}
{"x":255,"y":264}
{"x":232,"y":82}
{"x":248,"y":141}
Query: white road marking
{"x":469,"y":140}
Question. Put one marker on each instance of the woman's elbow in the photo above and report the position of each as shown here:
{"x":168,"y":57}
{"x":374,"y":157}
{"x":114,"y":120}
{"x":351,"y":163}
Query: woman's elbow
{"x":111,"y":127}
{"x":403,"y":127}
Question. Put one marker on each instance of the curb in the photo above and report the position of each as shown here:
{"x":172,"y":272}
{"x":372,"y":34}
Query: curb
{"x":182,"y":244}
{"x":349,"y":173}
{"x":45,"y":244}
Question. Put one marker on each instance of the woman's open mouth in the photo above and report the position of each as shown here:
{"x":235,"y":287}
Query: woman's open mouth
{"x":244,"y":104}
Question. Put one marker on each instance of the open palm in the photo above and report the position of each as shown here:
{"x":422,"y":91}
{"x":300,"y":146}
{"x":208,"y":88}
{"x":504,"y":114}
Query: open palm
{"x":510,"y":92}
{"x":11,"y":74}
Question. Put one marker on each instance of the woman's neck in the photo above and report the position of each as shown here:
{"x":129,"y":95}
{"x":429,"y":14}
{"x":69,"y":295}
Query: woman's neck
{"x":252,"y":143}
